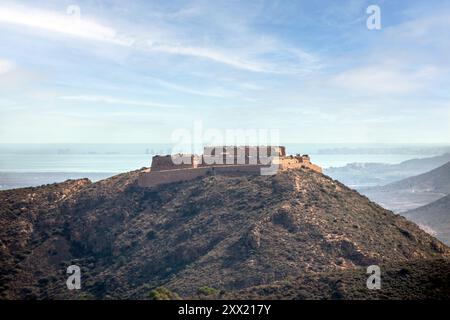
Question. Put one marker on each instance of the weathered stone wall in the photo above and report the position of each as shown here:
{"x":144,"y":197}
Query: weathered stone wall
{"x":222,"y":160}
{"x":166,"y":162}
{"x":155,"y":178}
{"x":152,"y":179}
{"x":297,"y":163}
{"x":232,"y":155}
{"x":290,"y":163}
{"x":247,"y":150}
{"x":237,"y":170}
{"x":315,"y":167}
{"x":219,"y":155}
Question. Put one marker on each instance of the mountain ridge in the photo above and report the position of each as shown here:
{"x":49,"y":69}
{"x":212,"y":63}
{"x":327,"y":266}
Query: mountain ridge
{"x":360,"y":175}
{"x":228,"y":233}
{"x":434,"y":217}
{"x":412,"y":192}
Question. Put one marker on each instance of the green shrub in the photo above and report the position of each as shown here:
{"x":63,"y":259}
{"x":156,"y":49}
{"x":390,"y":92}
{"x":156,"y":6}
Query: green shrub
{"x":162,"y":293}
{"x":85,"y":296}
{"x":206,"y":291}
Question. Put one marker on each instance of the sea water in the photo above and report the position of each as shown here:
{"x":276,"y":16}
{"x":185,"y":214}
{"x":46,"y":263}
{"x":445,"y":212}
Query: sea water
{"x":34,"y":164}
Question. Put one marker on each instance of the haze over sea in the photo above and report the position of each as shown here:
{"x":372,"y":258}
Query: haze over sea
{"x":24,"y":165}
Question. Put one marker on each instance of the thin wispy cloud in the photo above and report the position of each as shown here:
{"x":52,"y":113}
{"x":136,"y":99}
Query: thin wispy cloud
{"x":385,"y":79}
{"x":80,"y":27}
{"x":71,"y":25}
{"x":117,"y":101}
{"x":211,"y":54}
{"x":215,"y":93}
{"x":435,"y":29}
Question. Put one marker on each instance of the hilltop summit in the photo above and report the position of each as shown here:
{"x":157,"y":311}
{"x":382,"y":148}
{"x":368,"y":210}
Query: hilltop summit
{"x":222,"y":232}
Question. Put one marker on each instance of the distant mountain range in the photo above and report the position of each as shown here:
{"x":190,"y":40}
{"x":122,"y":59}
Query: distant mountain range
{"x":422,"y":197}
{"x":412,"y":192}
{"x":215,"y":236}
{"x":360,"y":175}
{"x":433,"y":217}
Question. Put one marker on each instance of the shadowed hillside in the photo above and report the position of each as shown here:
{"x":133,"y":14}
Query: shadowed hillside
{"x":227,"y":233}
{"x":434,"y":217}
{"x":412,"y":192}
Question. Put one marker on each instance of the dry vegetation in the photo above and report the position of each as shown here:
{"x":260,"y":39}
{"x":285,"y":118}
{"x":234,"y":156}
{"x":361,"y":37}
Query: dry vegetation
{"x":212,"y":237}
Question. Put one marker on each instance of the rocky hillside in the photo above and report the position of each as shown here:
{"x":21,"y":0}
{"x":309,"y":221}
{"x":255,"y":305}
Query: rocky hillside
{"x":215,"y":233}
{"x":413,"y":192}
{"x":398,"y":279}
{"x":434,"y":217}
{"x":23,"y":228}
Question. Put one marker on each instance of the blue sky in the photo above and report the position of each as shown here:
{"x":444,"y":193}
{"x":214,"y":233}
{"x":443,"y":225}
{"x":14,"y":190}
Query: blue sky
{"x":135,"y":71}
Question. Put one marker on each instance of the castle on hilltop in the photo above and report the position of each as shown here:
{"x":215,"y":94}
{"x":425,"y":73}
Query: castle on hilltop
{"x":223,"y":160}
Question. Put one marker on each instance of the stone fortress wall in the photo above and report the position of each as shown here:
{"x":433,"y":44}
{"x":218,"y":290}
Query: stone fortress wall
{"x":223,"y":160}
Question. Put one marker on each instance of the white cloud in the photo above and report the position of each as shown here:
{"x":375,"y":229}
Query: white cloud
{"x":385,"y":79}
{"x":211,"y":54}
{"x":5,"y":66}
{"x":113,"y":100}
{"x":245,"y":56}
{"x":215,"y":93}
{"x":71,"y":25}
{"x":426,"y":29}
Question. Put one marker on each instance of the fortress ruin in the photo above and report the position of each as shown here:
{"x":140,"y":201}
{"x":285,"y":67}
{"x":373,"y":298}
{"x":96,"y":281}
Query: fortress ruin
{"x":223,"y":160}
